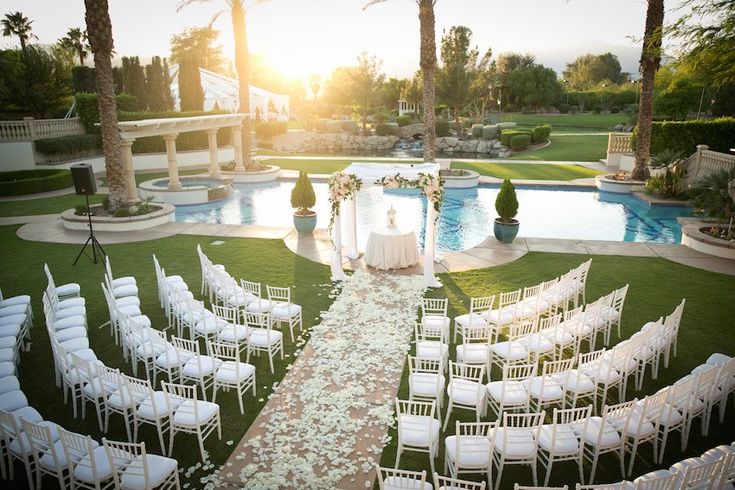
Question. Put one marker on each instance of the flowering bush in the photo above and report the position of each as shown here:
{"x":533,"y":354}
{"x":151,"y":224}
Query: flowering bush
{"x":342,"y":186}
{"x":430,"y":185}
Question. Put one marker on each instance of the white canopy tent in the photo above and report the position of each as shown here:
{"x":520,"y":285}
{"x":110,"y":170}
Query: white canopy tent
{"x":369,"y":174}
{"x":223,"y":92}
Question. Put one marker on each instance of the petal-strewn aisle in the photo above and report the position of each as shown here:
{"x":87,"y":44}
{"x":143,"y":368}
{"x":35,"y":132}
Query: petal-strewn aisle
{"x":327,"y":422}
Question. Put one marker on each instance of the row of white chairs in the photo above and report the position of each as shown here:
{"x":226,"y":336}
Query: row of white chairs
{"x":16,"y":320}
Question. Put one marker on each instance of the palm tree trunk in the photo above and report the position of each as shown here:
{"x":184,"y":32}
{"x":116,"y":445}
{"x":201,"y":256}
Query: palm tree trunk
{"x":241,"y":64}
{"x":456,"y":122}
{"x":650,"y":61}
{"x":99,"y":29}
{"x":428,"y":65}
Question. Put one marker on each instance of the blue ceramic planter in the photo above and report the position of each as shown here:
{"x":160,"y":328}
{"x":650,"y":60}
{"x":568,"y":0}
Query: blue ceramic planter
{"x":304,"y":224}
{"x":505,"y":232}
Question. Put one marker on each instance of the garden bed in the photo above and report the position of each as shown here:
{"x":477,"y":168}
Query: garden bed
{"x":700,"y":236}
{"x":164,"y":213}
{"x":618,"y":184}
{"x":22,"y":182}
{"x":459,"y":178}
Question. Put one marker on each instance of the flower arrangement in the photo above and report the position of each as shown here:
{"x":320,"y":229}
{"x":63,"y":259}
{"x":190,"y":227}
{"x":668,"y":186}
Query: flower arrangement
{"x":342,"y":186}
{"x":430,"y":185}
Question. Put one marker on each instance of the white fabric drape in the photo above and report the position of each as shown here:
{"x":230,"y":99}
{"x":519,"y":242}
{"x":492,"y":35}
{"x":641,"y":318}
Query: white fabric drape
{"x":350,"y":221}
{"x":370,"y":172}
{"x":338,"y":274}
{"x":391,"y":248}
{"x":429,"y":277}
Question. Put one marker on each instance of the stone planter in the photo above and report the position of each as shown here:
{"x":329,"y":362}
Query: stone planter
{"x":196,"y":189}
{"x":110,"y":223}
{"x":304,"y":224}
{"x":692,"y":236}
{"x":269,"y":174}
{"x":467,"y":180}
{"x":608,"y":184}
{"x":505,"y":232}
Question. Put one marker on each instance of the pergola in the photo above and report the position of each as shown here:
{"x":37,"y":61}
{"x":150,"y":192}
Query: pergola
{"x":170,"y":129}
{"x":377,"y":173}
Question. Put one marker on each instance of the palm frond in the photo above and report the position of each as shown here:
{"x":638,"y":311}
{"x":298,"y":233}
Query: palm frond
{"x":186,"y":3}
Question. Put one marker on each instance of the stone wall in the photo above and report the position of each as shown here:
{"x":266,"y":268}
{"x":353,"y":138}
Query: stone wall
{"x":452,"y":145}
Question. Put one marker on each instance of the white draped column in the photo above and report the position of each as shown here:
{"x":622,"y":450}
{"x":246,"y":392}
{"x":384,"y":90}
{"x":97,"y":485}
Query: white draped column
{"x":126,"y":145}
{"x":350,"y":214}
{"x":429,"y":278}
{"x":213,"y":157}
{"x":174,"y":184}
{"x":338,"y":274}
{"x":236,"y":140}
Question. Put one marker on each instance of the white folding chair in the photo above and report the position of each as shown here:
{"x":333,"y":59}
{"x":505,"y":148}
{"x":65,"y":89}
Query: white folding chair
{"x":434,"y":313}
{"x":89,"y":466}
{"x":395,"y":479}
{"x":643,"y":426}
{"x":199,"y":368}
{"x":47,"y":453}
{"x":231,"y":373}
{"x":190,"y":415}
{"x":465,"y":389}
{"x":475,"y":347}
{"x":550,"y":387}
{"x":448,"y":483}
{"x":426,"y":381}
{"x":510,"y":393}
{"x":477,"y":316}
{"x":283,"y":310}
{"x":153,"y":410}
{"x":512,"y":351}
{"x":558,"y":441}
{"x":262,"y":337}
{"x":469,"y":450}
{"x":507,"y":310}
{"x":601,"y":435}
{"x":134,"y":468}
{"x":516,"y":442}
{"x":122,"y":401}
{"x":418,"y":429}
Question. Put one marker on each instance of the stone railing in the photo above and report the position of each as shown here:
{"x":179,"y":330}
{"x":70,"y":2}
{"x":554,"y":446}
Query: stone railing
{"x":619,"y":143}
{"x":706,"y":162}
{"x":30,"y":129}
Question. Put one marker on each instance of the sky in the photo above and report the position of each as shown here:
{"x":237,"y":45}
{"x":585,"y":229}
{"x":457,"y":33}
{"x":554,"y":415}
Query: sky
{"x":301,"y":37}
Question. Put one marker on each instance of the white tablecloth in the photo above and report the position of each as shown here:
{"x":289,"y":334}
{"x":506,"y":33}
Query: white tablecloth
{"x":391,"y":248}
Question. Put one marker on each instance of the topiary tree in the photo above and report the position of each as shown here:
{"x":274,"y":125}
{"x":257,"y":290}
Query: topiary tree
{"x":506,"y":204}
{"x":302,"y":195}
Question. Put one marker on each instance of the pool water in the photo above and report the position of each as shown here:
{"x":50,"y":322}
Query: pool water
{"x":467,"y":214}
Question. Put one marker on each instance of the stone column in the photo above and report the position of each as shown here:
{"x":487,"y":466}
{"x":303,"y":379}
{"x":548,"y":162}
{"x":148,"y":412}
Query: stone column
{"x":213,"y":159}
{"x":236,"y":141}
{"x":174,"y":184}
{"x":126,"y":146}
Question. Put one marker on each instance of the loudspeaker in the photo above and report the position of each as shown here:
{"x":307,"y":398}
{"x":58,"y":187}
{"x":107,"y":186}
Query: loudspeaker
{"x":83,"y":177}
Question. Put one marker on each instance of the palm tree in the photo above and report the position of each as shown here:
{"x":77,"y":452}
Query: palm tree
{"x":99,"y":30}
{"x":76,"y":39}
{"x":16,"y":24}
{"x":650,"y":62}
{"x":237,"y":11}
{"x":428,"y":66}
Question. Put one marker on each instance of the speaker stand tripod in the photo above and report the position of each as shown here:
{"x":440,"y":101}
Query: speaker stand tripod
{"x":91,"y":241}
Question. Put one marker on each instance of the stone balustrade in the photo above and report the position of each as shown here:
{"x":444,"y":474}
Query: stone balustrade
{"x":30,"y":129}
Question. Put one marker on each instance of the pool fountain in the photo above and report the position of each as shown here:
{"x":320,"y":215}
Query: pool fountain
{"x":195,"y":189}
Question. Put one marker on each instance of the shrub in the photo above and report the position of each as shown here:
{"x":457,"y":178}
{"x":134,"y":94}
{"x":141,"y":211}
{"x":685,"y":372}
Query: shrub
{"x":302,"y":195}
{"x":121,"y":213}
{"x":334,"y":126}
{"x":520,"y":142}
{"x":88,"y":111}
{"x":507,"y":134}
{"x":684,"y":136}
{"x":476,"y":130}
{"x":386,"y":129}
{"x":574,"y":109}
{"x":269,"y":129}
{"x":596,"y":109}
{"x":540,"y":133}
{"x":711,"y":194}
{"x":564,"y":108}
{"x":668,"y":181}
{"x":614,"y":109}
{"x":350,"y":126}
{"x":20,"y":182}
{"x":490,"y":132}
{"x":442,"y":128}
{"x":68,"y":147}
{"x":506,"y":203}
{"x":403,"y":120}
{"x":80,"y":210}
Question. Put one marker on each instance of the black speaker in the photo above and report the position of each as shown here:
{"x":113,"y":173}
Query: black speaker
{"x":83,"y":176}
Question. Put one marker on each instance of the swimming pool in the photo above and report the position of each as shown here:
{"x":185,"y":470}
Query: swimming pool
{"x":467,"y":214}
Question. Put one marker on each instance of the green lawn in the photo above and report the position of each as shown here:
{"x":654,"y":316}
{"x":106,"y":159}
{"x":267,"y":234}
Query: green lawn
{"x":526,"y":171}
{"x":266,"y":261}
{"x":142,"y":177}
{"x":656,"y":287}
{"x":569,"y":122}
{"x":569,"y":148}
{"x":46,"y":205}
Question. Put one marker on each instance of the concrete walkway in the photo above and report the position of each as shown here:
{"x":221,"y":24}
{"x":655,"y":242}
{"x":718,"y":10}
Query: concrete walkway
{"x":327,"y":422}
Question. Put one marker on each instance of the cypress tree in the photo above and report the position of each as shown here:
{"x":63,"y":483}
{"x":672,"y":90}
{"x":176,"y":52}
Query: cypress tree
{"x":191,"y":94}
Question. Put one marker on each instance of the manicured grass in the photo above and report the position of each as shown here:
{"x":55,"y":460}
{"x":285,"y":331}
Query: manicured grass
{"x":265,"y":261}
{"x":569,"y":122}
{"x":313,"y":166}
{"x":656,"y":287}
{"x":46,"y":205}
{"x":142,"y":177}
{"x":568,"y":148}
{"x":528,"y":171}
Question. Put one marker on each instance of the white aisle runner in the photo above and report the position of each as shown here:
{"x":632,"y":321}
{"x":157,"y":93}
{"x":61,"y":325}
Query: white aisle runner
{"x":328,"y":421}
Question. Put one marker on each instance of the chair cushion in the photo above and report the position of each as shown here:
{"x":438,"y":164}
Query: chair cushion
{"x":474,"y":451}
{"x":544,"y":390}
{"x":537,"y":342}
{"x":259,"y":306}
{"x":472,"y":353}
{"x":22,"y":299}
{"x":13,"y":400}
{"x":83,"y":470}
{"x":435,"y":321}
{"x":122,"y":399}
{"x":403,"y":483}
{"x":159,"y":468}
{"x":10,"y":329}
{"x":228,"y":372}
{"x":425,"y":384}
{"x":184,"y":413}
{"x":28,"y":413}
{"x":471,"y":319}
{"x":8,"y":342}
{"x":13,"y":320}
{"x":21,"y":445}
{"x":147,"y":411}
{"x":69,"y":322}
{"x":62,"y":336}
{"x":233,"y":333}
{"x":515,"y":392}
{"x":210,"y":324}
{"x":7,"y":369}
{"x":13,"y":310}
{"x":520,"y":442}
{"x":200,"y":366}
{"x":610,"y":436}
{"x":131,"y":309}
{"x":717,"y":358}
{"x":8,"y":384}
{"x":123,"y":281}
{"x":240,"y":299}
{"x":417,"y":430}
{"x":7,"y":353}
{"x":174,"y":358}
{"x":70,"y":289}
{"x":285,"y":312}
{"x":575,"y":381}
{"x":71,"y":311}
{"x":128,"y":301}
{"x":430,"y":349}
{"x":259,"y":337}
{"x":47,"y":460}
{"x":566,"y":441}
{"x":681,"y":466}
{"x":511,"y":351}
{"x":125,"y":290}
{"x":501,"y":316}
{"x":465,"y":392}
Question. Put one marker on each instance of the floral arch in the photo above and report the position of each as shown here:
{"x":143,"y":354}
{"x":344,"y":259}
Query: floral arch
{"x":343,"y":187}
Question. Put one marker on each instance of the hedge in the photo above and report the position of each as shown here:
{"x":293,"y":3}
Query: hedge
{"x":20,"y":182}
{"x":269,"y":129}
{"x":507,"y":134}
{"x":520,"y":142}
{"x":386,"y":129}
{"x":442,"y":128}
{"x":684,"y":136}
{"x":540,"y":133}
{"x":68,"y":147}
{"x":403,"y":120}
